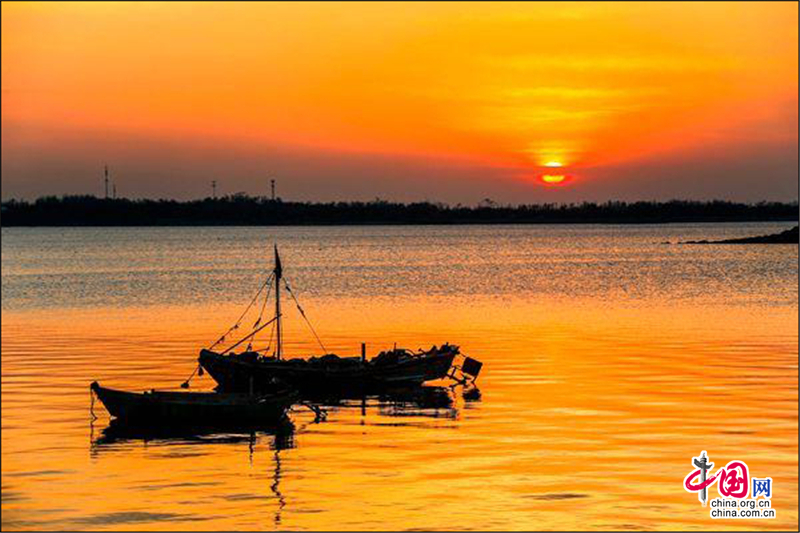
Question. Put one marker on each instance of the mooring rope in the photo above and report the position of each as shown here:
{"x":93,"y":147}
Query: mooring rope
{"x":319,"y":413}
{"x":91,"y":404}
{"x":185,"y":384}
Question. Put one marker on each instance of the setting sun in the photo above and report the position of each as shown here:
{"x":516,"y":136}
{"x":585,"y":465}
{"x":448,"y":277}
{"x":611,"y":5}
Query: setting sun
{"x":553,"y":179}
{"x":453,"y":101}
{"x":392,"y":266}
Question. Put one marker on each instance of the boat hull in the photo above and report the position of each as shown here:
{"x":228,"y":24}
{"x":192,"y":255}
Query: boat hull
{"x":232,"y":374}
{"x":199,"y":407}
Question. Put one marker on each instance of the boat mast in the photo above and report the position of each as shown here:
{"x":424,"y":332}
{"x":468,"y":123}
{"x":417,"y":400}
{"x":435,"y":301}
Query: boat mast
{"x":278,"y":273}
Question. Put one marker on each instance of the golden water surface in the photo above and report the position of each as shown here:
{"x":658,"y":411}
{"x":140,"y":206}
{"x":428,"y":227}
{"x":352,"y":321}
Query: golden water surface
{"x":610,"y":360}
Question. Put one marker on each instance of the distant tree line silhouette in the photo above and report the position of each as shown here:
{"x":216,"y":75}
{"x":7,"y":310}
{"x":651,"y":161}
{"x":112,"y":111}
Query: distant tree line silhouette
{"x":245,"y":210}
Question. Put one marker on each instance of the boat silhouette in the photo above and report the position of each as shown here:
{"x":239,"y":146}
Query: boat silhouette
{"x":255,"y":370}
{"x":156,"y":407}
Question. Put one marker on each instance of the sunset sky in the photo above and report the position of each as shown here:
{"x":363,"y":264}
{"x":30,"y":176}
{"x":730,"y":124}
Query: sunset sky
{"x":518,"y":102}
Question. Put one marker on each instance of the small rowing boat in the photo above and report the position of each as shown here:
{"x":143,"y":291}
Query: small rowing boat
{"x":153,"y":406}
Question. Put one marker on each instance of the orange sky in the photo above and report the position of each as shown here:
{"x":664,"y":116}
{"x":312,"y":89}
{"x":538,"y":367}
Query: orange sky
{"x":451,"y":101}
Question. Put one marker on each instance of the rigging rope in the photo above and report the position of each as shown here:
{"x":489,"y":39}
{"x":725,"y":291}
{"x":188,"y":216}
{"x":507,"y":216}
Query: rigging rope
{"x":236,"y":325}
{"x":303,"y":314}
{"x":271,"y":336}
{"x":269,"y":344}
{"x":249,"y":335}
{"x":266,"y":299}
{"x":261,"y":313}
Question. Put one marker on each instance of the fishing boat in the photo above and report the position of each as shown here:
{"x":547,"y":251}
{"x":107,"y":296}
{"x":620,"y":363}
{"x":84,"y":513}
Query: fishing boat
{"x":187,"y":407}
{"x":236,"y":371}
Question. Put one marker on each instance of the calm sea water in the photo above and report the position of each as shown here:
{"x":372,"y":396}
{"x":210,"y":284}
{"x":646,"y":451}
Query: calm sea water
{"x":611,"y":359}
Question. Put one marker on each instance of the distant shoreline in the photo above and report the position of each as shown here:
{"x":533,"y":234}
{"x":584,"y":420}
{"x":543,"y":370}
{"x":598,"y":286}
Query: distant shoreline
{"x":400,"y":224}
{"x":789,"y":236}
{"x":88,"y":211}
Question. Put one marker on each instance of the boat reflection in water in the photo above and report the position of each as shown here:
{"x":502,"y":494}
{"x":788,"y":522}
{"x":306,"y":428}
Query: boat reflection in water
{"x":120,"y":431}
{"x":431,"y":401}
{"x":426,"y":401}
{"x":404,"y":404}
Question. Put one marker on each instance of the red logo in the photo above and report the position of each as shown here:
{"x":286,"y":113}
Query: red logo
{"x":732,"y":480}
